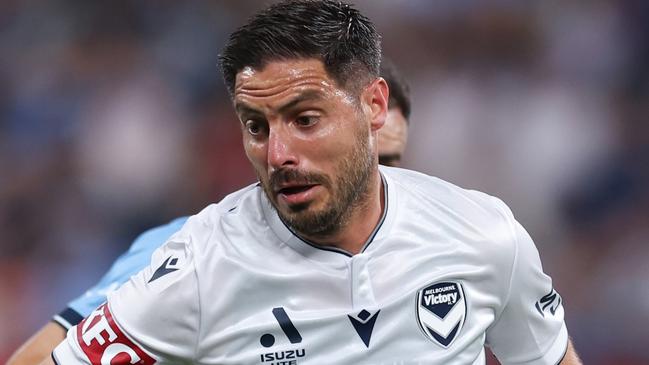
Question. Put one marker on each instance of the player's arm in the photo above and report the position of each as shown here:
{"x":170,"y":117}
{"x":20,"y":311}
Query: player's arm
{"x":529,"y":328}
{"x":128,"y":264}
{"x":39,"y":346}
{"x":153,"y":317}
{"x":571,"y":357}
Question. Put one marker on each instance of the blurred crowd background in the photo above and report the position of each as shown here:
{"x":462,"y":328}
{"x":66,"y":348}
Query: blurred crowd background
{"x":114,"y":119}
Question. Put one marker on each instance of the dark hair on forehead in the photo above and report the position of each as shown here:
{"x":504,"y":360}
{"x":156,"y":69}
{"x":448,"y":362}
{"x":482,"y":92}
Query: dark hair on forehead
{"x":332,"y":31}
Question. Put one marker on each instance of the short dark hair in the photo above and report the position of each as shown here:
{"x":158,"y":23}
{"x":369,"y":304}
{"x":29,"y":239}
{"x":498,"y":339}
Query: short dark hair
{"x":334,"y":32}
{"x":399,"y":89}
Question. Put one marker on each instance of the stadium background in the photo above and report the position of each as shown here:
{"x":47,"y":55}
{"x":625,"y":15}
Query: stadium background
{"x":113,"y":119}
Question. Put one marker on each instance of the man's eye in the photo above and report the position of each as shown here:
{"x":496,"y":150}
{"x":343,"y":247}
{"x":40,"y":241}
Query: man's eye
{"x":306,"y":120}
{"x":254,"y":127}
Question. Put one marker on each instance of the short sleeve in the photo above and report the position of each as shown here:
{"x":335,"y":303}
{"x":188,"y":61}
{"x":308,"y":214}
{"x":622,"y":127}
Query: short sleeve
{"x":128,"y":264}
{"x":154,"y":316}
{"x":530,"y":329}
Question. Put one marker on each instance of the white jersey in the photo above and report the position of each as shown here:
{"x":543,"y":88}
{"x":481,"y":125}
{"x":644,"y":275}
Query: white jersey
{"x":446,"y":272}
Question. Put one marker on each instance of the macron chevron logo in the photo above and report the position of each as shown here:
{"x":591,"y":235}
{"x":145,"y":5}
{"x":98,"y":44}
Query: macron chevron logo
{"x":441,"y":309}
{"x":364,"y":324}
{"x":168,"y":266}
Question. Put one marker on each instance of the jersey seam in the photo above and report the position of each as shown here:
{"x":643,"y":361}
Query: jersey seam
{"x":513,"y":266}
{"x":240,"y":197}
{"x":198,"y":297}
{"x":198,"y":294}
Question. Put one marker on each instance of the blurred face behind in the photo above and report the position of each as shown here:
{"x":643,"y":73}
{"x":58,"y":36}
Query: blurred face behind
{"x":311,"y":143}
{"x":393,"y":137}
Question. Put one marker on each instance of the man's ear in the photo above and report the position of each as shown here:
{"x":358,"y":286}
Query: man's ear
{"x":375,"y":99}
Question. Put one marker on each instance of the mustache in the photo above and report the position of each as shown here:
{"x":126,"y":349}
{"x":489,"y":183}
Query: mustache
{"x":295,"y":176}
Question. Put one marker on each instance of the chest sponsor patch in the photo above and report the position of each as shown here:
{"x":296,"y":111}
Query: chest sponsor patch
{"x":441,"y":310}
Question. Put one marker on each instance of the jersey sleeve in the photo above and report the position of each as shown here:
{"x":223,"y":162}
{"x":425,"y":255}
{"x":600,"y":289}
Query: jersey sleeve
{"x":153,"y":318}
{"x":128,"y":264}
{"x":530,"y":329}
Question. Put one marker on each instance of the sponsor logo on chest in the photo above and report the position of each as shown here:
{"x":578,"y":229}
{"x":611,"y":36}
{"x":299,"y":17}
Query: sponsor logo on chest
{"x":287,"y":357}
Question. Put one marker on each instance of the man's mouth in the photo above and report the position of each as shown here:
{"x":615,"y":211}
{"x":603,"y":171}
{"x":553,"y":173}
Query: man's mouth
{"x":294,"y":189}
{"x":297,"y":194}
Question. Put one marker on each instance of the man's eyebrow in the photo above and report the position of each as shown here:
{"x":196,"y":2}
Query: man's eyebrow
{"x":243,"y":109}
{"x":305,"y":96}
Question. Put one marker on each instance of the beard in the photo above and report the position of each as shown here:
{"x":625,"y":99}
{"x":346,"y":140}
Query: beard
{"x":348,"y":191}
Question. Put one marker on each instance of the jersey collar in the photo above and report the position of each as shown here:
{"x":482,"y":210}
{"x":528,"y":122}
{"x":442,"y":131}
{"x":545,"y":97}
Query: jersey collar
{"x":331,"y":254}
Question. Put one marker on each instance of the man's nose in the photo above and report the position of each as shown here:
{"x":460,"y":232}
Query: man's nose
{"x":280,"y":149}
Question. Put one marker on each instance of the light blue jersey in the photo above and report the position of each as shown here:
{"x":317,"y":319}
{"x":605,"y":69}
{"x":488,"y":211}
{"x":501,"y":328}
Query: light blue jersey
{"x":128,"y":264}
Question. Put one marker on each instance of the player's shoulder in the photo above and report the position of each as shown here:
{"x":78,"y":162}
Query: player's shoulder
{"x":154,"y":237}
{"x":237,"y":208}
{"x":448,"y":205}
{"x":206,"y":218}
{"x":193,"y":252}
{"x":245,"y":199}
{"x":431,"y":189}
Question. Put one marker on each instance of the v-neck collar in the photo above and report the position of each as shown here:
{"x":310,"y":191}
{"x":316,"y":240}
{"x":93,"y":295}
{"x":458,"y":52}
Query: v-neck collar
{"x":328,"y":254}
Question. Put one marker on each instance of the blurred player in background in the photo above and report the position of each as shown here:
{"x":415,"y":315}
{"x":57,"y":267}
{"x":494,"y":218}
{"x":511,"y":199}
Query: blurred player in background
{"x":322,"y":261}
{"x":392,"y":144}
{"x":393,"y":136}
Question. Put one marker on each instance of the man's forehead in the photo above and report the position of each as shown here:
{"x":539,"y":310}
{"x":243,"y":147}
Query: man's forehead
{"x":282,"y":73}
{"x":286,"y":82}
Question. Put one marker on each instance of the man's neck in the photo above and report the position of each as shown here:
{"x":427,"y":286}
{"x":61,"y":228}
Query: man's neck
{"x":353,"y":234}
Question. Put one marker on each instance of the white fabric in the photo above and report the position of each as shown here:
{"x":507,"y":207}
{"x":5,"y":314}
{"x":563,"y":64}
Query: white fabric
{"x":237,"y":261}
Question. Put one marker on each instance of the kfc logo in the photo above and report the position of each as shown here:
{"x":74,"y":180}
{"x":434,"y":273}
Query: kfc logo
{"x":105,"y":344}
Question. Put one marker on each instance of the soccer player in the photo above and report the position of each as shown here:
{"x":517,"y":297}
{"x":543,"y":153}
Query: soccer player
{"x":330,"y":259}
{"x":392,"y":143}
{"x":393,"y":136}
